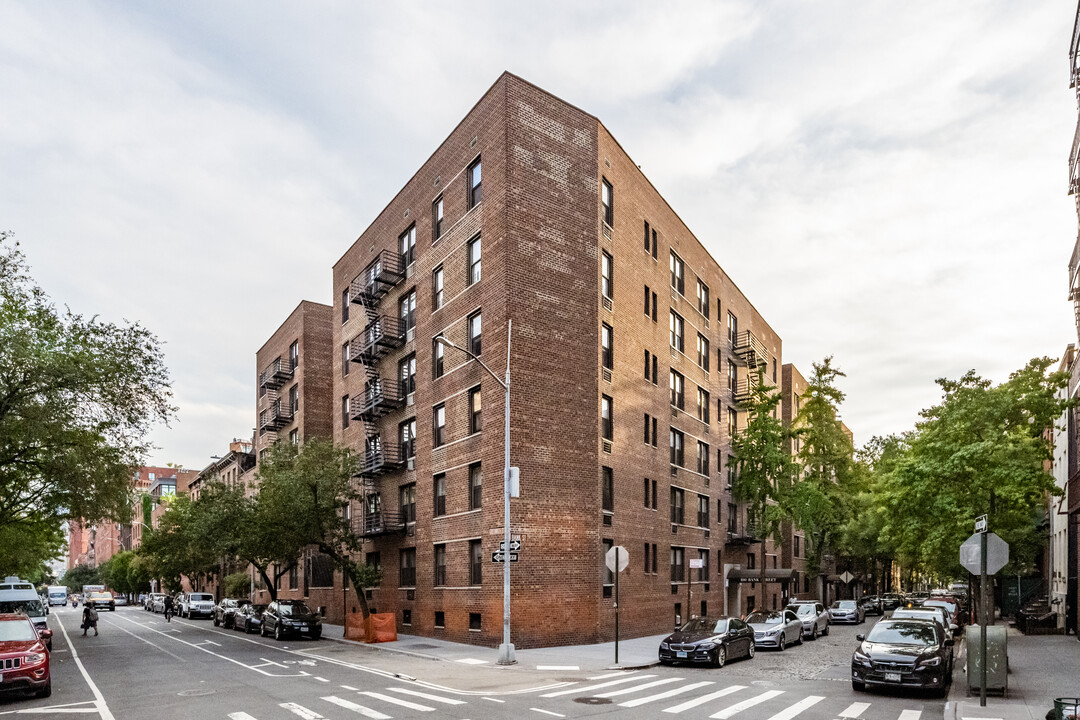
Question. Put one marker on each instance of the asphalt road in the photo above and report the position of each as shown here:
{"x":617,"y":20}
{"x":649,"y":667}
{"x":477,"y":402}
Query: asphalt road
{"x":142,"y":667}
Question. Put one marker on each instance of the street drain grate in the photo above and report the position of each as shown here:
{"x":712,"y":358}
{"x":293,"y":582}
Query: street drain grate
{"x":593,"y":700}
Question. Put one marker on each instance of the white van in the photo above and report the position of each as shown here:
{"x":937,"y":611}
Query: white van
{"x":19,"y":596}
{"x":57,"y":595}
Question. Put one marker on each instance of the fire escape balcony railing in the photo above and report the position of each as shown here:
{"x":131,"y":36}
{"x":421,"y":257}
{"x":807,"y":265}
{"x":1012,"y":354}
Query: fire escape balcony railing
{"x":1074,"y":161}
{"x":371,"y":524}
{"x":381,"y":274}
{"x":382,"y":335}
{"x":277,"y":416}
{"x":277,"y":374}
{"x":380,"y":397}
{"x":388,"y":457}
{"x":745,"y":536}
{"x":744,"y":389}
{"x":1074,"y":52}
{"x":751,"y":350}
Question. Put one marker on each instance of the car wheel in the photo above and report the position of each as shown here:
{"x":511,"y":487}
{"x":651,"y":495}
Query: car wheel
{"x":262,"y":630}
{"x":721,"y":657}
{"x":857,"y":686}
{"x":783,"y":643}
{"x":277,"y":632}
{"x":826,"y":630}
{"x":813,"y":633}
{"x":752,"y":649}
{"x":48,"y":646}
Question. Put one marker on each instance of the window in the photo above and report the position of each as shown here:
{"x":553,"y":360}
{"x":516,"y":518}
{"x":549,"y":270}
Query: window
{"x":476,"y":563}
{"x":476,"y":422}
{"x":439,"y":493}
{"x":407,"y":310}
{"x":732,"y":329}
{"x":436,"y":219}
{"x":607,"y":200}
{"x":774,"y":370}
{"x":608,"y":491}
{"x":650,"y":494}
{"x":675,"y":264}
{"x":703,"y":405}
{"x":440,"y":619}
{"x":321,"y":571}
{"x":294,"y":399}
{"x":294,"y":437}
{"x":294,"y":578}
{"x":732,"y":422}
{"x":677,"y":567}
{"x":407,"y":567}
{"x":675,"y":326}
{"x":474,"y":252}
{"x":650,"y":240}
{"x":703,"y":458}
{"x":345,"y":306}
{"x":475,"y":334}
{"x":648,"y":562}
{"x":344,"y":412}
{"x":607,"y":426}
{"x":294,"y":354}
{"x":648,"y":366}
{"x":607,"y":277}
{"x":407,"y":374}
{"x":474,"y":621}
{"x":751,"y":561}
{"x":730,"y":471}
{"x":607,"y":350}
{"x":439,"y":435}
{"x":798,"y":542}
{"x":407,"y":438}
{"x":440,"y":565}
{"x":732,"y":519}
{"x":475,"y":187}
{"x":676,"y":384}
{"x":702,"y":511}
{"x":407,"y":502}
{"x":437,"y":358}
{"x":476,"y":486}
{"x":345,"y":360}
{"x":703,"y":572}
{"x":675,"y":440}
{"x":677,"y":508}
{"x":437,"y":288}
{"x":703,"y":298}
{"x":647,"y":247}
{"x":407,"y":246}
{"x":703,"y":352}
{"x":650,"y":430}
{"x":732,"y":377}
{"x":650,"y":303}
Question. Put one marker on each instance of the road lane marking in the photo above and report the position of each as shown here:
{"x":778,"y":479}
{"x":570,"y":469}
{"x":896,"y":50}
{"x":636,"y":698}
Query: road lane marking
{"x":737,"y":708}
{"x":621,"y":673}
{"x":268,"y":661}
{"x":357,"y":708}
{"x":789,"y":713}
{"x":472,"y":661}
{"x":50,"y":711}
{"x":910,"y":715}
{"x":547,"y":712}
{"x":350,"y":687}
{"x":240,"y":716}
{"x":398,"y":701}
{"x":302,"y":711}
{"x":493,"y":699}
{"x":704,"y":699}
{"x":123,"y":629}
{"x":664,"y":695}
{"x":320,"y":679}
{"x":854,"y":710}
{"x":427,"y":696}
{"x":99,"y":699}
{"x":636,"y":688}
{"x":557,"y":667}
{"x":598,"y":686}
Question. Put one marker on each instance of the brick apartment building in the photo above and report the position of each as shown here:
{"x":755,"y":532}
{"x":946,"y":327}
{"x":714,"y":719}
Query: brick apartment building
{"x":630,"y":351}
{"x":1071,"y":500}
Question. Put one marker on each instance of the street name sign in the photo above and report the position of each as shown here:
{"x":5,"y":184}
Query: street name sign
{"x":997,"y":553}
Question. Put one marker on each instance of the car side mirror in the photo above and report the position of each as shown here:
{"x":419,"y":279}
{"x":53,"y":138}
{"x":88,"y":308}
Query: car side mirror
{"x":860,"y":638}
{"x":47,"y":634}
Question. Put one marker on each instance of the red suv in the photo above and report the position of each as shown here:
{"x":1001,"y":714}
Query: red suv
{"x":24,"y":660}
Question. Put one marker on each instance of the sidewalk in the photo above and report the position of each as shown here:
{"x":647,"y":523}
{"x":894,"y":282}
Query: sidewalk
{"x":633,"y":653}
{"x":1041,"y":668}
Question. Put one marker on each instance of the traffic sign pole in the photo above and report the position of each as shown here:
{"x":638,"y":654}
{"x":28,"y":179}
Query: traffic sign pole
{"x":982,"y":625}
{"x":616,"y":605}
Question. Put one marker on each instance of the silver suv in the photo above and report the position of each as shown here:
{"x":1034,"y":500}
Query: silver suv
{"x":196,"y":604}
{"x":814,"y":617}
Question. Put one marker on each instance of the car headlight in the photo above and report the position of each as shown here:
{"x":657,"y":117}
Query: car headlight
{"x":861,"y":658}
{"x":932,"y":662}
{"x":774,"y":631}
{"x":33,"y":659}
{"x":664,"y":646}
{"x":706,"y":646}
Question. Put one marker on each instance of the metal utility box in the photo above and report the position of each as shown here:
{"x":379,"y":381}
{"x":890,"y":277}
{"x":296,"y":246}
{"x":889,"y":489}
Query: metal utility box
{"x":997,"y":659}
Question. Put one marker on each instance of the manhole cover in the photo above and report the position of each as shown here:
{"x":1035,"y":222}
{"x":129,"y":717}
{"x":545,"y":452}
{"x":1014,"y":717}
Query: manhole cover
{"x":195,"y":693}
{"x":593,"y":701}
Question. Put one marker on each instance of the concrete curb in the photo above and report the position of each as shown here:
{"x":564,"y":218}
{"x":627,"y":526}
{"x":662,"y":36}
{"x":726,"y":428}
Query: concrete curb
{"x":383,"y":648}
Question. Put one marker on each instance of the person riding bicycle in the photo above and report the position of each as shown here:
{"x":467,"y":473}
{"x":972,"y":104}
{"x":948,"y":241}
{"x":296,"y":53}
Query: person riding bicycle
{"x":168,"y":603}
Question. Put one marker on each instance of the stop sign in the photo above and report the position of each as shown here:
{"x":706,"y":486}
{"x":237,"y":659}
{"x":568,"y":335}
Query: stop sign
{"x":997,"y":553}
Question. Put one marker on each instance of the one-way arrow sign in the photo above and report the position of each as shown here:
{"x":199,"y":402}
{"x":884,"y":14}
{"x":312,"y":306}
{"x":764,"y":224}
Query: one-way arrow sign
{"x":498,"y":557}
{"x":515,"y":545}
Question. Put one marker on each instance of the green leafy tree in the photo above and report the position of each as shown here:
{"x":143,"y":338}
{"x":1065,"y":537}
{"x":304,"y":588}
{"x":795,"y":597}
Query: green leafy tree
{"x":26,"y":548}
{"x":77,"y":399}
{"x":80,"y":575}
{"x":237,"y":585}
{"x":116,"y":572}
{"x":179,"y":546}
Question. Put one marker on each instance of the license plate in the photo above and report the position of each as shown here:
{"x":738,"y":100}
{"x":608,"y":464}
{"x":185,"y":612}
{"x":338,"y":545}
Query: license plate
{"x":892,"y":677}
{"x":303,"y":627}
{"x":680,"y":653}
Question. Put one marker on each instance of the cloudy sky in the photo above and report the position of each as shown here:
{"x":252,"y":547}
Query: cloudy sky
{"x":885,"y":181}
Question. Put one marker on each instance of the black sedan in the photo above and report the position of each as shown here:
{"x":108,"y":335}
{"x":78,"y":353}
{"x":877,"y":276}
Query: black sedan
{"x":249,"y":617}
{"x":871,"y":605}
{"x":290,"y":617}
{"x":708,"y":640}
{"x":224,"y":612}
{"x":906,"y":653}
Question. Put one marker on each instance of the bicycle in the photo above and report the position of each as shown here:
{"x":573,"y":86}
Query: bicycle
{"x":168,"y":614}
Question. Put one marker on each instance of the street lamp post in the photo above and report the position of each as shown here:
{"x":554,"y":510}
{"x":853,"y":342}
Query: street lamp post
{"x":506,"y":650}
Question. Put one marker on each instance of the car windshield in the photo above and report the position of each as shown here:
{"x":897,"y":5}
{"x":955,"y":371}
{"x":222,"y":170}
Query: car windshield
{"x":32,"y":608}
{"x":706,"y":625}
{"x":291,"y":610}
{"x":843,"y":605}
{"x":903,"y":633}
{"x":941,"y":604}
{"x":765,"y":618}
{"x":201,"y":596}
{"x":256,"y":608}
{"x":16,"y":630}
{"x":804,"y":609}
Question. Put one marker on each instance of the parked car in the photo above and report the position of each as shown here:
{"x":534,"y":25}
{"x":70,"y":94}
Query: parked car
{"x":814,"y":617}
{"x":846,"y":611}
{"x":120,"y":599}
{"x":19,"y":597}
{"x":891,"y":601}
{"x":936,"y":614}
{"x":871,"y":605}
{"x":196,"y":604}
{"x":101,"y":601}
{"x":708,"y":640}
{"x":157,"y":602}
{"x":24,"y":655}
{"x":775,"y":628}
{"x":910,"y":653}
{"x":225,"y":611}
{"x":249,"y":617}
{"x":950,"y":605}
{"x":915,"y":599}
{"x":290,"y":617}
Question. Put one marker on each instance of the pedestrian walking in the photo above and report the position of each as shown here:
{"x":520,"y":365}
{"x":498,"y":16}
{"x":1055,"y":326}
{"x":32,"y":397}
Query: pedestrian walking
{"x":89,"y":619}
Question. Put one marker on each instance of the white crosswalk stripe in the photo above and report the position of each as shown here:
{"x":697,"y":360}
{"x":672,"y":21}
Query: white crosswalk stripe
{"x":428,"y":696}
{"x":665,"y":695}
{"x":240,"y":716}
{"x":598,"y":686}
{"x":357,"y":708}
{"x":854,"y":710}
{"x":910,"y":715}
{"x":737,"y":708}
{"x":398,"y":701}
{"x":791,"y":712}
{"x":302,"y":711}
{"x":638,"y":688}
{"x":704,"y":699}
